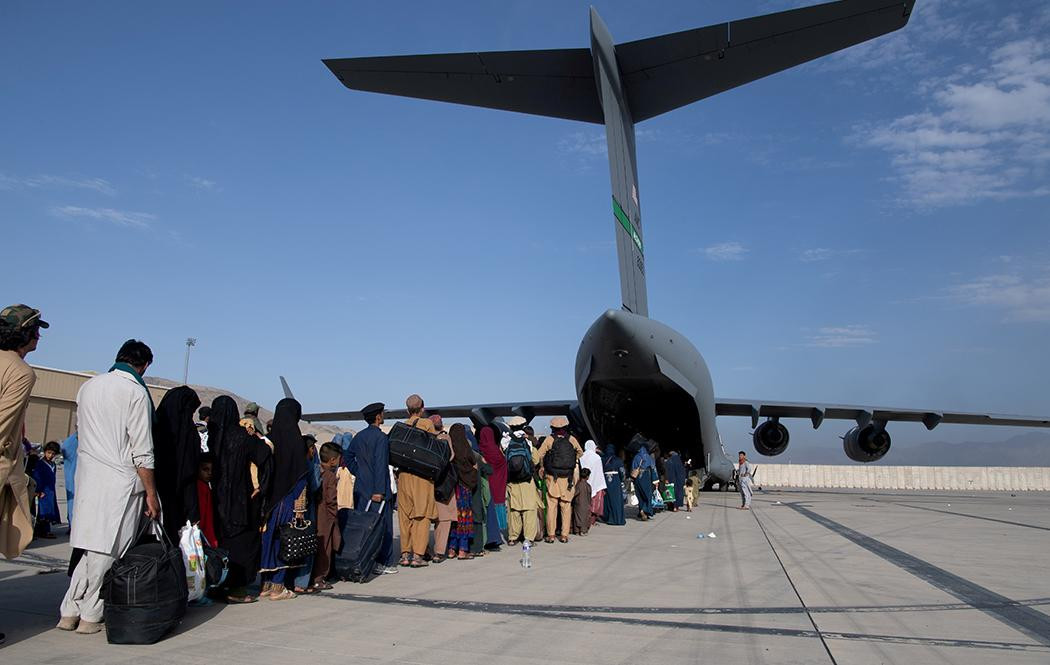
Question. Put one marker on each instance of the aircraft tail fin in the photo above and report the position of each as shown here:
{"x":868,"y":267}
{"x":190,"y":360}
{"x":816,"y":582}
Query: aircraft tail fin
{"x":287,"y":390}
{"x":618,"y":85}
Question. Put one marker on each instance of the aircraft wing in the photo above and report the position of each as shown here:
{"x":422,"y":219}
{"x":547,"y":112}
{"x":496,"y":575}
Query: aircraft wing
{"x":863,"y":415}
{"x":482,"y":412}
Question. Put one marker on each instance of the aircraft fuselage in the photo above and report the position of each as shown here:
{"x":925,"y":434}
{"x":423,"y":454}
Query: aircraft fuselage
{"x":634,"y":374}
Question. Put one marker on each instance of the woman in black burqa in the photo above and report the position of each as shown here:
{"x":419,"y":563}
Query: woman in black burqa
{"x":176,"y":453}
{"x":238,"y":507}
{"x":286,"y":498}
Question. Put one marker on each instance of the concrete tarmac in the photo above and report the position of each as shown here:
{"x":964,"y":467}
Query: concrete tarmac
{"x":828,"y":576}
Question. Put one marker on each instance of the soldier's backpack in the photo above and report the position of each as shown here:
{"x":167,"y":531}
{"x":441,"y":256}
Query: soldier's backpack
{"x":560,"y":460}
{"x":519,"y":462}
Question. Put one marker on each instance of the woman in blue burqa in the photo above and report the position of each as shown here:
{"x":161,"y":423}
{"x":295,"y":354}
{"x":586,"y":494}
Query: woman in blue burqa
{"x":643,"y":472}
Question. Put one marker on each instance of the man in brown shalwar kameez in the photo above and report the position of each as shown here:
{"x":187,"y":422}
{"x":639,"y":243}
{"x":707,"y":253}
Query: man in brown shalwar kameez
{"x":416,"y":507}
{"x":559,"y":490}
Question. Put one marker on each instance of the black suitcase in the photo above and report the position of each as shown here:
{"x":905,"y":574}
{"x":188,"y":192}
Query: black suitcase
{"x":417,"y":451}
{"x":145,"y":592}
{"x":362,"y":538}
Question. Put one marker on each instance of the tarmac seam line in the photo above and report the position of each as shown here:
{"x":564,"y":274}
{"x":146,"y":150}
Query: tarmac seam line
{"x":958,"y":514}
{"x":794,"y":588}
{"x":530,"y":611}
{"x":1025,"y":620}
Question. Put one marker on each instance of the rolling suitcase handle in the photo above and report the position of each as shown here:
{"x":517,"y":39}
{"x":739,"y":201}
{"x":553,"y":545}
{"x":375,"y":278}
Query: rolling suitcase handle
{"x":381,"y":505}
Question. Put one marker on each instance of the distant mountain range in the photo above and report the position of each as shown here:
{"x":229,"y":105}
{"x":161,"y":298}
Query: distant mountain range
{"x":1028,"y":449}
{"x":208,"y":394}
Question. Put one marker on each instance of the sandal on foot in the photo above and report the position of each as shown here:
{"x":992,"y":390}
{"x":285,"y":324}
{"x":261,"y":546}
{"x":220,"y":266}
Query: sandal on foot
{"x":419,"y":563}
{"x":241,"y":600}
{"x":405,"y":561}
{"x":287,"y":594}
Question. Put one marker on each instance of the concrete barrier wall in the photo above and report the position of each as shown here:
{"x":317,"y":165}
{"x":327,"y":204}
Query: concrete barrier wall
{"x":1003,"y":478}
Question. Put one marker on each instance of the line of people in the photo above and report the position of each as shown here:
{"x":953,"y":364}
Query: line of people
{"x":242,"y":486}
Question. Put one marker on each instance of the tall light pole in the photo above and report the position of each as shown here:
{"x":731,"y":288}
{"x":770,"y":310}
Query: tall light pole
{"x":190,"y":341}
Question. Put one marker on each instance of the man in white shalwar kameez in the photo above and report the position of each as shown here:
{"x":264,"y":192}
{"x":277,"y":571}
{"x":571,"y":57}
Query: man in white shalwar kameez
{"x":114,"y":479}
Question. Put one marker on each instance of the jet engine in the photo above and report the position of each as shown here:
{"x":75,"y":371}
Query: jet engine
{"x":866,"y":444}
{"x":771,"y":438}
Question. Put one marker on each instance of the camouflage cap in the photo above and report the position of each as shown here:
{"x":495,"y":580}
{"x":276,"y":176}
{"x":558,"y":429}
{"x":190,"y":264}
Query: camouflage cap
{"x":22,"y":316}
{"x":251,"y":407}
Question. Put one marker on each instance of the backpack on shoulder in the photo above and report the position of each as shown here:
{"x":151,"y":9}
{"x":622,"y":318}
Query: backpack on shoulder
{"x":519,"y":462}
{"x":560,"y":460}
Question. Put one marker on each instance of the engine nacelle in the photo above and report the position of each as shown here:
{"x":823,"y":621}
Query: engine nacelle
{"x":866,"y":444}
{"x":771,"y":438}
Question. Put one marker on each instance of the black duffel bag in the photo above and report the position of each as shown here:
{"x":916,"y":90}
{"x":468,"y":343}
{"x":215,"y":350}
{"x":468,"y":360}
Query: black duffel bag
{"x":216,"y":565}
{"x":417,"y":451}
{"x":145,"y":592}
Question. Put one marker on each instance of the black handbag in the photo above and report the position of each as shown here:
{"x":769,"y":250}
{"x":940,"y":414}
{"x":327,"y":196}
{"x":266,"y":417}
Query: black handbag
{"x":298,"y":540}
{"x":445,"y":485}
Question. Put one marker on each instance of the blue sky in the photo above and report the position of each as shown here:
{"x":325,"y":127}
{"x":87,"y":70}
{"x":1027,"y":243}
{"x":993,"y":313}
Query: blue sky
{"x":870,"y":228}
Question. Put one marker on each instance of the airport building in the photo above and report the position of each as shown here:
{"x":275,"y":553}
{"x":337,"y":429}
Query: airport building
{"x":52,"y":412}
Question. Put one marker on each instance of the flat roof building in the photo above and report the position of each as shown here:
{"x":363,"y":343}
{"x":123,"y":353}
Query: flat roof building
{"x":52,"y":411}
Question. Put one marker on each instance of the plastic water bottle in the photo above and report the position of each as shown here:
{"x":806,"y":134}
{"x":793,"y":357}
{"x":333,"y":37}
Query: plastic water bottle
{"x":526,"y":549}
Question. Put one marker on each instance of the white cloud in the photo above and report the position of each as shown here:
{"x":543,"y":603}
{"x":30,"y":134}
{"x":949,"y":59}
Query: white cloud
{"x":837,"y":337}
{"x":986,"y":137}
{"x":99,"y":185}
{"x":1021,"y":296}
{"x":585,"y":143}
{"x":725,"y":251}
{"x":141,"y":220}
{"x":815,"y":254}
{"x":202,"y":183}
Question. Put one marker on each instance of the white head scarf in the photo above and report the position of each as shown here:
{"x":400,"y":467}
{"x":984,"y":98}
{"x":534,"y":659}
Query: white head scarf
{"x":593,"y":461}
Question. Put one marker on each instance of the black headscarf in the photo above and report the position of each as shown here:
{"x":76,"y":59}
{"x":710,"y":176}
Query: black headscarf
{"x":463,"y":457}
{"x":289,"y":453}
{"x":176,"y":450}
{"x":234,"y":449}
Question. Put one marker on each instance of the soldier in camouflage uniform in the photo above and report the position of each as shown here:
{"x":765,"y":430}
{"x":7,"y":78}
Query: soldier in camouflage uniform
{"x":251,"y":410}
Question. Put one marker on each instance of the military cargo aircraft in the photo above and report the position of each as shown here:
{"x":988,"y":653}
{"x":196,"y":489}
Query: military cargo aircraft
{"x":630,"y":366}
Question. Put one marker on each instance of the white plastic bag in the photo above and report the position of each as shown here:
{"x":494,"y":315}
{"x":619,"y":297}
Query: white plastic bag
{"x":193,"y":559}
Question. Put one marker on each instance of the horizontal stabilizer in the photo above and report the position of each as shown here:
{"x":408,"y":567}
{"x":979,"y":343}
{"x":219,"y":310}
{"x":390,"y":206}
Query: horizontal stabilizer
{"x":557,"y":83}
{"x":658,"y":74}
{"x":663,"y":73}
